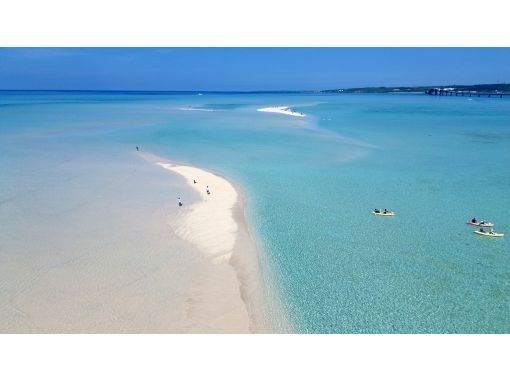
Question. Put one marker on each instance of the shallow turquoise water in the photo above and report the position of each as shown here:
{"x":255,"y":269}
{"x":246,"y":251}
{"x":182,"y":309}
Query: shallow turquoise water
{"x":311,"y":186}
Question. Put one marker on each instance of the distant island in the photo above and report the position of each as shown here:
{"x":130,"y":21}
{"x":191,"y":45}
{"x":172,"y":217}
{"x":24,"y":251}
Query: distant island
{"x":499,"y":88}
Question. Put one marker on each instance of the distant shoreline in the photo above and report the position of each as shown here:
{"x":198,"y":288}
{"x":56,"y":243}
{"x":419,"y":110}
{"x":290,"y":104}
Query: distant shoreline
{"x":494,"y":88}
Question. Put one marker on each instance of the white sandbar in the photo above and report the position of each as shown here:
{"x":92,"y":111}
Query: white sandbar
{"x":226,"y":293}
{"x":282,"y":110}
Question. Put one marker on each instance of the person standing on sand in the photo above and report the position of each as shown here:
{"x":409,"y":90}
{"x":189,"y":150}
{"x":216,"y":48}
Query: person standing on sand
{"x":194,"y":181}
{"x":208,"y":192}
{"x":137,"y":149}
{"x":180,"y":202}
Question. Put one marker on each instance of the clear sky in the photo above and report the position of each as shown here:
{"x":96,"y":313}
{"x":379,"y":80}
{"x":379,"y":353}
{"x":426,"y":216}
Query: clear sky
{"x":244,"y":69}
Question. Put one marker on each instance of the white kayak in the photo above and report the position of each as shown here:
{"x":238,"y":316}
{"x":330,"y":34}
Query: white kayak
{"x":383,"y":213}
{"x":489,"y":234}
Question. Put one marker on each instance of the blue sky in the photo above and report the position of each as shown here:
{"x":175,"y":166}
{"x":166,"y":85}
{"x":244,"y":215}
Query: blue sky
{"x":244,"y":69}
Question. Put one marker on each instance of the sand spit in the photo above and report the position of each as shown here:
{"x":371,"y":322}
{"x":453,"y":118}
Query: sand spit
{"x":282,"y":110}
{"x":225,"y":295}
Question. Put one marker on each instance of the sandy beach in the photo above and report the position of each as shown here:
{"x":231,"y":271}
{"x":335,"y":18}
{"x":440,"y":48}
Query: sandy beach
{"x":284,"y":110}
{"x":225,"y":295}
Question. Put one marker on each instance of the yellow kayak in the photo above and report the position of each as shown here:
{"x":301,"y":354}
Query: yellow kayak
{"x":382,"y":213}
{"x":489,"y":234}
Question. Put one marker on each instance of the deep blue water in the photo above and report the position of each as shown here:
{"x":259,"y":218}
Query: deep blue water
{"x":311,"y":185}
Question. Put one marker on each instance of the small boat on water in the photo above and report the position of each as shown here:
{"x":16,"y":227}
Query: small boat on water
{"x":383,"y":213}
{"x":480,"y":223}
{"x":489,"y":234}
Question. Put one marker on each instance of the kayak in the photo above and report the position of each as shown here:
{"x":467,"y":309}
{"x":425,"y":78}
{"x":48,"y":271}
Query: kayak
{"x":382,"y":213}
{"x":478,"y":224}
{"x":488,"y":234}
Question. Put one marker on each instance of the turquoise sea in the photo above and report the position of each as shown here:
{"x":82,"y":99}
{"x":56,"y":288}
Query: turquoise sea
{"x":311,"y":185}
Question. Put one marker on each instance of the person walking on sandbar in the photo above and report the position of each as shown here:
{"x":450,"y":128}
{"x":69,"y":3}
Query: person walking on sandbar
{"x":208,"y":192}
{"x":180,"y":202}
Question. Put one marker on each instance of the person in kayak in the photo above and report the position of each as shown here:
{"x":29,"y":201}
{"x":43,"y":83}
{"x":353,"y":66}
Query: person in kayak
{"x":473,"y":220}
{"x":377,"y":211}
{"x":482,"y":222}
{"x":491,"y":231}
{"x":481,"y":230}
{"x":385,"y":211}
